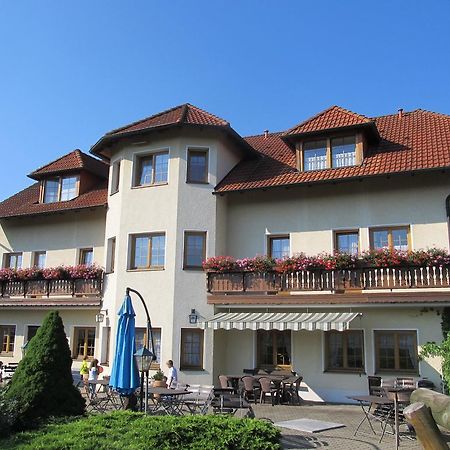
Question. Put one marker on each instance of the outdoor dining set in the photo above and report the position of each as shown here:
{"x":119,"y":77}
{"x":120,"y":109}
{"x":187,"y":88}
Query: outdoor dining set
{"x":384,"y":404}
{"x":183,"y":400}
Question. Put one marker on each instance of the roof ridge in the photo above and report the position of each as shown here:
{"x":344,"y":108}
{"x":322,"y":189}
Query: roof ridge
{"x":207,"y":112}
{"x":117,"y":130}
{"x":325,"y":111}
{"x":272,"y":133}
{"x":446,"y":116}
{"x":58,"y":159}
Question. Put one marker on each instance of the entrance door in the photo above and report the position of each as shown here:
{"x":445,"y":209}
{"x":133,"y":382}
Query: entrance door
{"x":274,"y":349}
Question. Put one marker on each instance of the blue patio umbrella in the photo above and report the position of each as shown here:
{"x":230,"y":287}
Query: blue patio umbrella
{"x":124,"y":374}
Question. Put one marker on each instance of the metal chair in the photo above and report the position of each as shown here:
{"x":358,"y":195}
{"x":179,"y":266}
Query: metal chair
{"x":375,"y":386}
{"x":403,"y":399}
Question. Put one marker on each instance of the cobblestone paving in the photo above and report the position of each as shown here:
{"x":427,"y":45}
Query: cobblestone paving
{"x":339,"y":439}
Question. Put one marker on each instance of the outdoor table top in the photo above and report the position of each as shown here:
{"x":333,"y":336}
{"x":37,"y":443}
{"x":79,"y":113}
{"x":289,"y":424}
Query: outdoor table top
{"x":102,"y":382}
{"x":167,"y":391}
{"x":372,"y":399}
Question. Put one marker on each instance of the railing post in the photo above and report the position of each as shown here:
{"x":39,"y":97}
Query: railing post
{"x":243,"y":282}
{"x":208,"y":282}
{"x":24,"y":285}
{"x":73,"y":287}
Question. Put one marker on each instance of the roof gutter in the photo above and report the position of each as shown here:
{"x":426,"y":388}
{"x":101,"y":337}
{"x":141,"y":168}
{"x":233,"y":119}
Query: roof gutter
{"x":336,"y":181}
{"x":96,"y":149}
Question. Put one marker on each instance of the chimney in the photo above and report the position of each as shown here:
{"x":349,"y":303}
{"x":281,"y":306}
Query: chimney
{"x":400,"y":113}
{"x":266,"y":134}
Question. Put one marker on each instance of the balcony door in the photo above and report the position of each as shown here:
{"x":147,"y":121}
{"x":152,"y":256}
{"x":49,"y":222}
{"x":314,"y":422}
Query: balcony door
{"x":274,"y":349}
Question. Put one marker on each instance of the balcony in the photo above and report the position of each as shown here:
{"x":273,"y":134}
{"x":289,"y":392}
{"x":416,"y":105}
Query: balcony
{"x":51,"y":288}
{"x":329,"y":281}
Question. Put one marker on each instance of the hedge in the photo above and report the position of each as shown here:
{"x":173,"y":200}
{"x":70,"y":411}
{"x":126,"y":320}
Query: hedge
{"x":128,"y":430}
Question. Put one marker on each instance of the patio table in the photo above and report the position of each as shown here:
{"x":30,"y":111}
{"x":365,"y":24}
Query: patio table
{"x":168,"y":401}
{"x":106,"y":396}
{"x":371,"y":400}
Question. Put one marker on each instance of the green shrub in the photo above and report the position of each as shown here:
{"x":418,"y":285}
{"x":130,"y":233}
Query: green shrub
{"x":128,"y":430}
{"x":42,"y":385}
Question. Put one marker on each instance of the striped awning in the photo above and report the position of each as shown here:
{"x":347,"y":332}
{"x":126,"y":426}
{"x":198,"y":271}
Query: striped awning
{"x":280,"y":321}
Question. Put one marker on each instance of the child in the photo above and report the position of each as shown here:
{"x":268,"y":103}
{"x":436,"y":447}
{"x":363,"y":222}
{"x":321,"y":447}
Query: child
{"x":84,"y":370}
{"x":93,"y":376}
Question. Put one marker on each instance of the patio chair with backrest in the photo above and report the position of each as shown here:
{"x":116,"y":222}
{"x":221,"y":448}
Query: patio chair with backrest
{"x":403,"y":399}
{"x":268,"y":388}
{"x":375,"y":386}
{"x":199,"y":400}
{"x":251,"y":388}
{"x":223,"y":381}
{"x":291,"y":386}
{"x":406,"y":382}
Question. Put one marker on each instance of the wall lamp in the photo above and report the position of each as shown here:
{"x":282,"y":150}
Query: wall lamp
{"x":193,"y":317}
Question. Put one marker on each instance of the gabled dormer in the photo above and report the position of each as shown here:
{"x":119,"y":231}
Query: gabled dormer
{"x":332,"y":139}
{"x":68,"y":177}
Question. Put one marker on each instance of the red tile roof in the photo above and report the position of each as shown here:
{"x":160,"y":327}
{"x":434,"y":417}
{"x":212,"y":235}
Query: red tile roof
{"x":26,"y":202}
{"x":182,"y":114}
{"x":73,"y":161}
{"x":419,"y":140}
{"x":186,"y":114}
{"x":333,"y":117}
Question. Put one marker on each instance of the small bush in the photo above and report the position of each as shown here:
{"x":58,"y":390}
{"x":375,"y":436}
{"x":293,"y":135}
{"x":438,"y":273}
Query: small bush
{"x":42,"y":385}
{"x":128,"y":430}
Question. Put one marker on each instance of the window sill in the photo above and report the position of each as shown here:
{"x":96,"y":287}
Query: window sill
{"x":148,"y":269}
{"x":194,"y":268}
{"x":346,"y":371}
{"x":112,"y":193}
{"x":197,"y":182}
{"x":395,"y":373}
{"x":143,"y":186}
{"x":329,"y":168}
{"x":6,"y":355}
{"x":192,"y":369}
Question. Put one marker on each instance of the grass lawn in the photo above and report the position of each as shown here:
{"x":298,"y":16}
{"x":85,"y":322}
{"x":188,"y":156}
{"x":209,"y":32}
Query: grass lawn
{"x":128,"y":430}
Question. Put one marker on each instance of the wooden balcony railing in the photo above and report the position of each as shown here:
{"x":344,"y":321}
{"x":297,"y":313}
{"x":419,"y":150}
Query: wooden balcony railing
{"x":49,"y":288}
{"x":330,"y":280}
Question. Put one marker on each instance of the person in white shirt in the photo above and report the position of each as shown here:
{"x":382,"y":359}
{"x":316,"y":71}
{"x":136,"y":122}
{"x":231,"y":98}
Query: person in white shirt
{"x":172,"y":376}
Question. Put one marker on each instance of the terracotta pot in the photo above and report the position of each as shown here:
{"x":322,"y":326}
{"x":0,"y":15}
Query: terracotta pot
{"x":158,"y":383}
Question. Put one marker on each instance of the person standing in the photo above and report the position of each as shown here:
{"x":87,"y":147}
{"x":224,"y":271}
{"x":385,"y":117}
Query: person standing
{"x":94,"y":370}
{"x":84,"y":370}
{"x":172,"y":376}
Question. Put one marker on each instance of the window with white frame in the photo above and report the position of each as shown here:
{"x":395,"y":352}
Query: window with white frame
{"x":39,"y":259}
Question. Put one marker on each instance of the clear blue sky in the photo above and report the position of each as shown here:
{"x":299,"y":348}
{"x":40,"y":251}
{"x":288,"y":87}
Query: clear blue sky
{"x":70,"y":71}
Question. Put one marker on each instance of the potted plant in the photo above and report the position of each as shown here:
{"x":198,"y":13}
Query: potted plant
{"x":159,"y":379}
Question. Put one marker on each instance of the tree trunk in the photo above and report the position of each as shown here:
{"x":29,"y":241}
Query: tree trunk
{"x":439,"y":405}
{"x":418,"y":415}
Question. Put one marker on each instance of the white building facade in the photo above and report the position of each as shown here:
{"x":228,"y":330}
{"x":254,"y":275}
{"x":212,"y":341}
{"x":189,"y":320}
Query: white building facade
{"x":182,"y":186}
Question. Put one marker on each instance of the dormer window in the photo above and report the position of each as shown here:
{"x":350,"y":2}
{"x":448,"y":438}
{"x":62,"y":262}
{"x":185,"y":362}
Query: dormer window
{"x":331,"y":153}
{"x":315,"y":155}
{"x":343,"y":151}
{"x":60,"y":189}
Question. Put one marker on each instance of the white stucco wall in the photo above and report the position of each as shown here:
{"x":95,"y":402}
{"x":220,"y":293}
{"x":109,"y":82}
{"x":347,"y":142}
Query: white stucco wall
{"x":174,"y":208}
{"x":311,"y":214}
{"x":61,"y":236}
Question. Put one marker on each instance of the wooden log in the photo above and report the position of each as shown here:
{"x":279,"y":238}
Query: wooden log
{"x":439,"y":405}
{"x":418,"y":415}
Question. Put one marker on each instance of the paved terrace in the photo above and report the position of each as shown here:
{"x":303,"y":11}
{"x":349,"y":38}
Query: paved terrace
{"x":339,"y":439}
